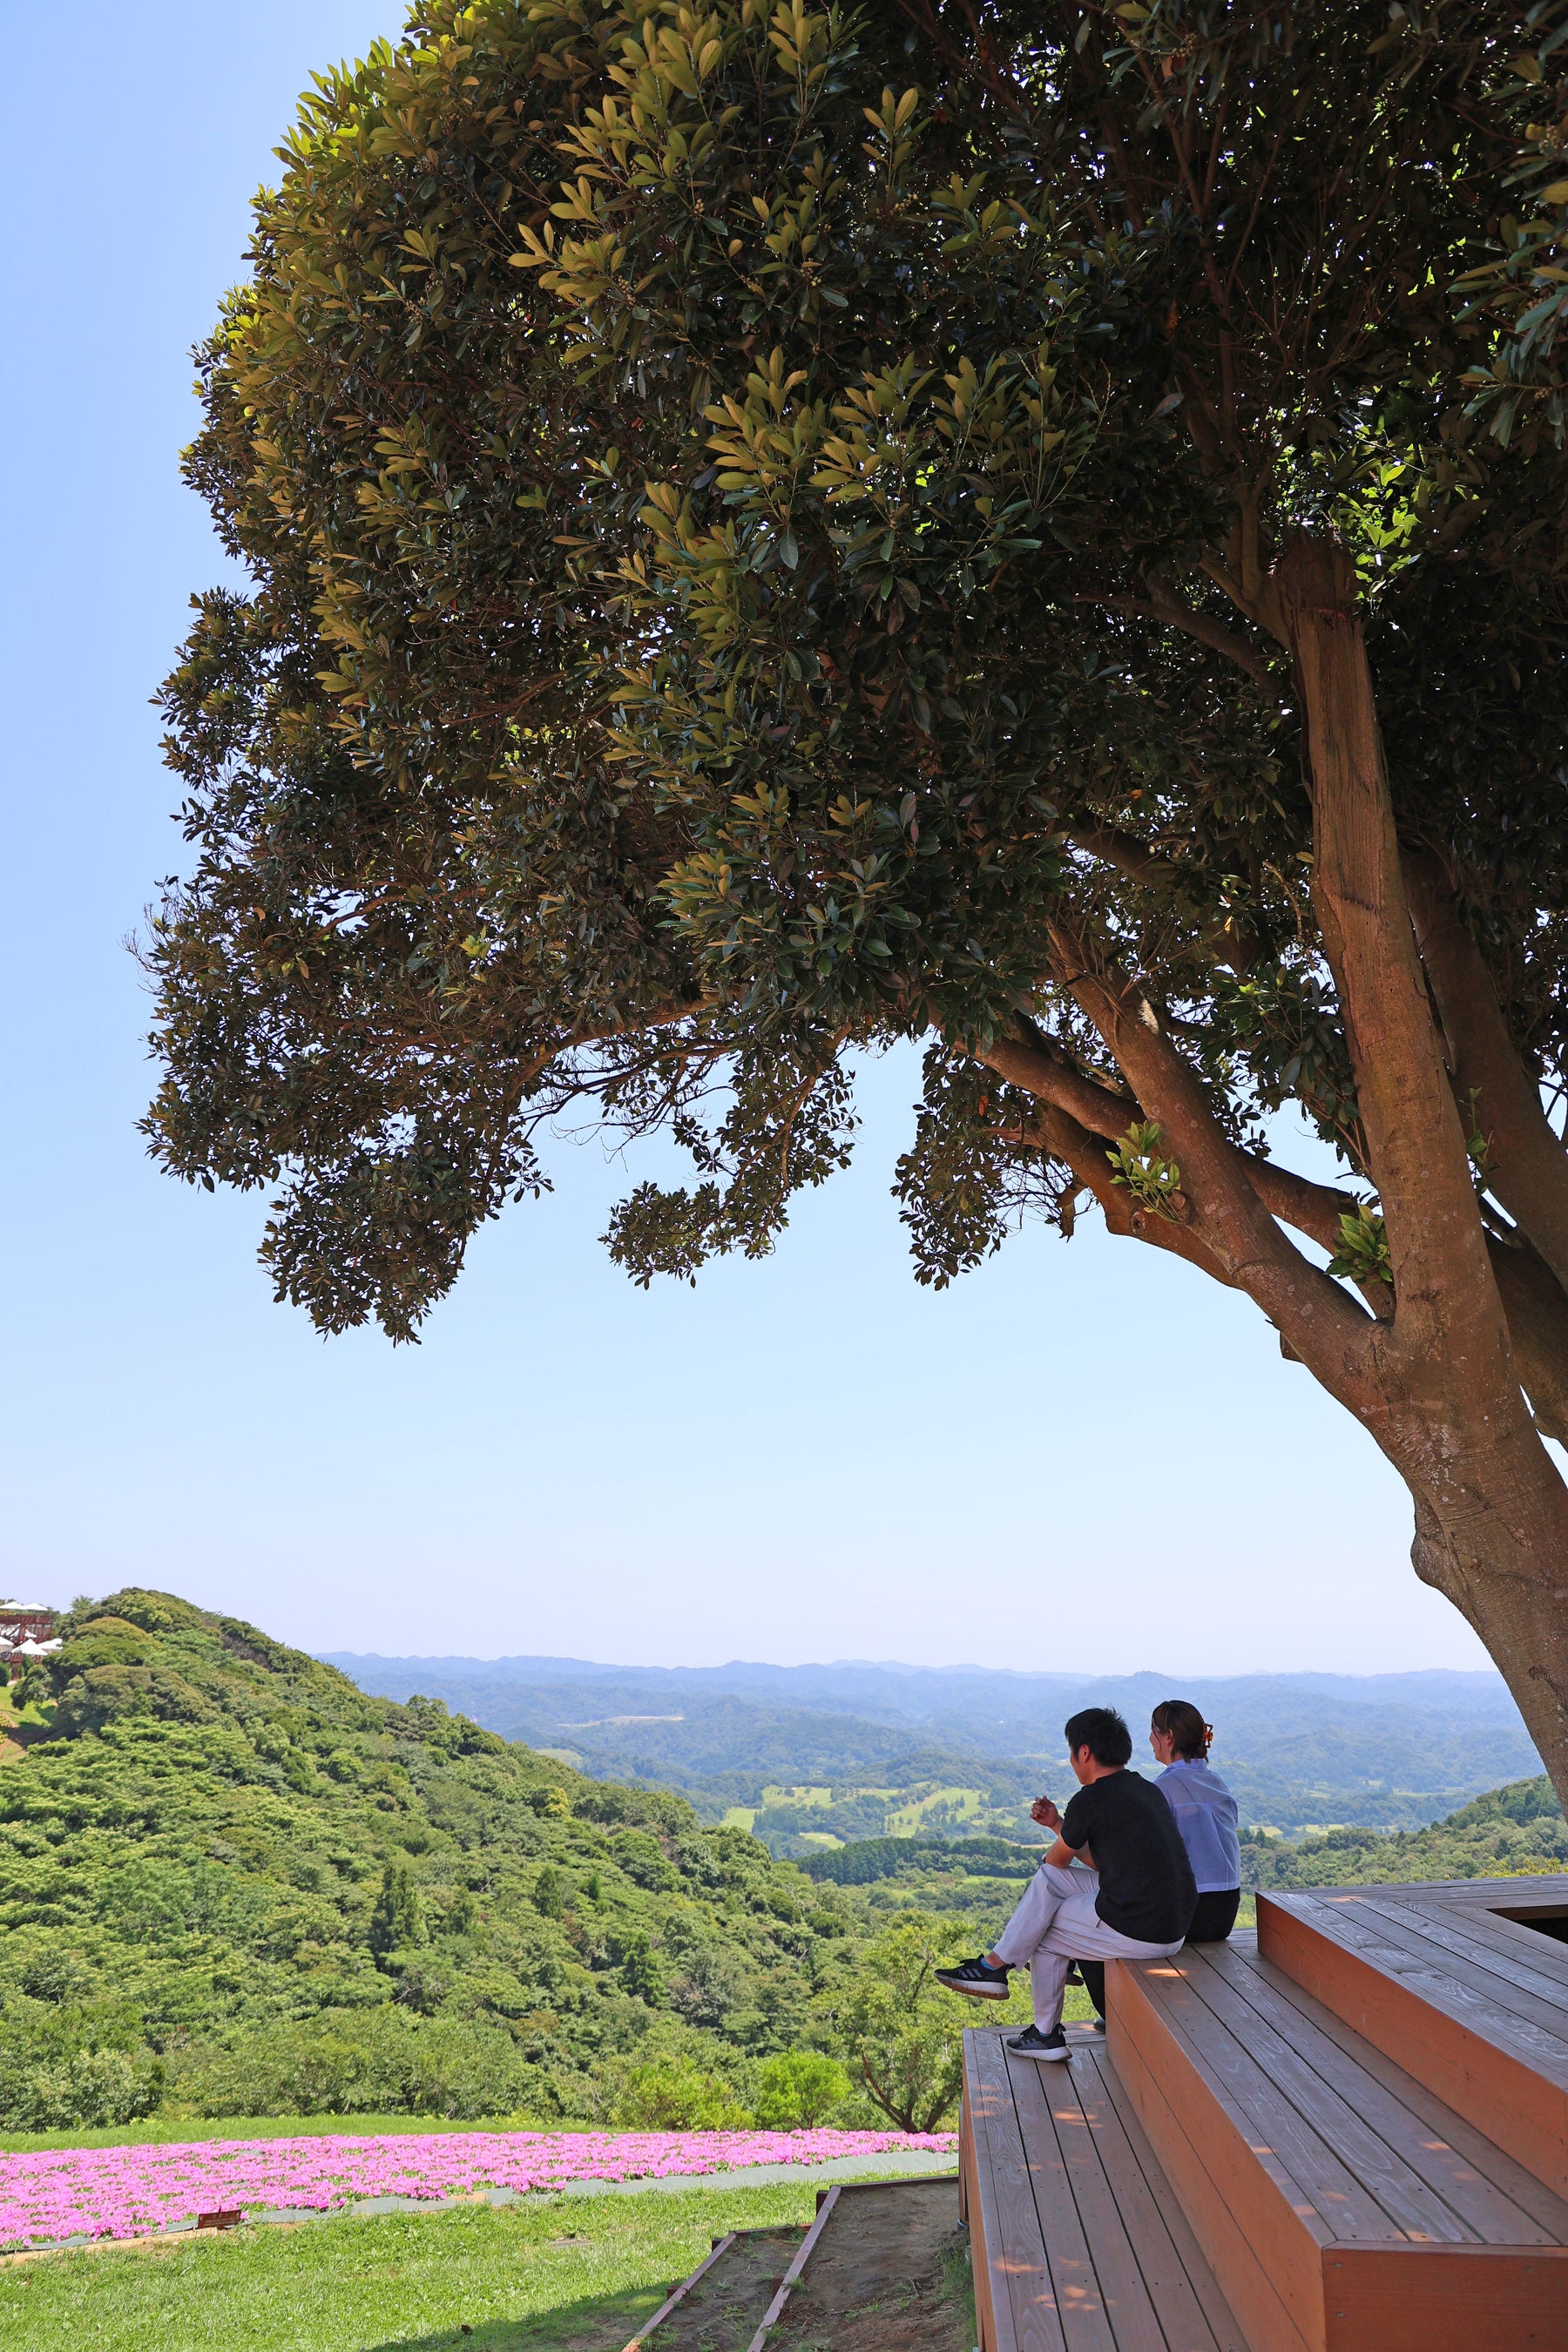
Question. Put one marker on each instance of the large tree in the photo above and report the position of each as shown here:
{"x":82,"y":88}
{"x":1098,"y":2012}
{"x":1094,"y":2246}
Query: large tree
{"x":1036,"y":528}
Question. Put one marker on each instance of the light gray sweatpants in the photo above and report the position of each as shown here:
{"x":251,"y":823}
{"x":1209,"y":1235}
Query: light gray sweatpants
{"x":1057,"y":1923}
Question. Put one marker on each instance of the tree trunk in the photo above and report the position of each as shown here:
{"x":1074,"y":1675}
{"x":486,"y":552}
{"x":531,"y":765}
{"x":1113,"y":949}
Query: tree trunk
{"x":1491,"y":1508}
{"x":1506,"y":1571}
{"x":1434,"y":1371}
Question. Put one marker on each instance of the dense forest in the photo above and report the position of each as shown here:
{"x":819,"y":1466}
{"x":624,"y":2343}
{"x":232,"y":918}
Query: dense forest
{"x":233,"y":1884}
{"x":1513,"y":1833}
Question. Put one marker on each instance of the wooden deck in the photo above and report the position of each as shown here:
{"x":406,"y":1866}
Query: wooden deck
{"x":1340,"y":2201}
{"x":1457,"y":1967}
{"x":1349,"y":2134}
{"x":1080,"y":2243}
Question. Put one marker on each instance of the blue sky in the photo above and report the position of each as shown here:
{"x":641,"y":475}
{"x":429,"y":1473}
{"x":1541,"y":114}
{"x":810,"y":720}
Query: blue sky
{"x":1081,"y":1457}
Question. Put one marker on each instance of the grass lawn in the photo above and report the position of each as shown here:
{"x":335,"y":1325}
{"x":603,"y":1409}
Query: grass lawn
{"x":574,"y":2275}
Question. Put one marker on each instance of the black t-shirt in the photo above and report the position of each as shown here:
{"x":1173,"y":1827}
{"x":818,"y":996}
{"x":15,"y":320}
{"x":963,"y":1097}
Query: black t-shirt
{"x":1146,"y":1888}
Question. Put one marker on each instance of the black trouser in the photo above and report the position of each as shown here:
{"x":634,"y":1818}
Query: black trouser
{"x":1212,"y":1923}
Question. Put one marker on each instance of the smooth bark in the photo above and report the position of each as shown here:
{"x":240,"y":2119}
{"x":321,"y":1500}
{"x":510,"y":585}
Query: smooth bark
{"x":1437,"y":1370}
{"x":1526,"y":1165}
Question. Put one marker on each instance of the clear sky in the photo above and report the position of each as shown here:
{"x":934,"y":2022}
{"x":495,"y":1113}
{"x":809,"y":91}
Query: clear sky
{"x":1082,"y":1457}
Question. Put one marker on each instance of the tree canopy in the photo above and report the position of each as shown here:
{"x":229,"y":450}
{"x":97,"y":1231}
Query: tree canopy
{"x":1037,"y":529}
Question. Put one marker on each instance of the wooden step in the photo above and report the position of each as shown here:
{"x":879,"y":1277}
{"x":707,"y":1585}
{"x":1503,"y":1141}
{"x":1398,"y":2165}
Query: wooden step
{"x":1452,"y":1980}
{"x":1342,"y":2206}
{"x":1077,"y":2241}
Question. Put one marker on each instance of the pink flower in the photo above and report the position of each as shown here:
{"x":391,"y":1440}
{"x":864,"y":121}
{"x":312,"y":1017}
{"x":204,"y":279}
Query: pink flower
{"x":124,"y":2192}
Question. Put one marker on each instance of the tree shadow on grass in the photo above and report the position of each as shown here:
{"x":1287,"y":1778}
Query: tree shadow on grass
{"x":601,"y":2324}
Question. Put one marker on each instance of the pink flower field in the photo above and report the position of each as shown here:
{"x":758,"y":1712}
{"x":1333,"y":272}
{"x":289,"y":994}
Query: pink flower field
{"x":125,"y":2192}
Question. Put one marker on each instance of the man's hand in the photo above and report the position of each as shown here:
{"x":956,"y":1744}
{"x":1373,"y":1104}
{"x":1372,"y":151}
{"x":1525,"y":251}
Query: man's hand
{"x":1046,"y":1813}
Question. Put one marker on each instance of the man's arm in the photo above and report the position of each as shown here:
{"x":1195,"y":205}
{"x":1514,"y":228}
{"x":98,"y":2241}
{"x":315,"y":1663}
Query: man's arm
{"x":1061,"y":1853}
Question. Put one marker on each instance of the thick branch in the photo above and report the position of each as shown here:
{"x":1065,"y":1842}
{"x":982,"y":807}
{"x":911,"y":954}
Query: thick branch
{"x":1527,"y":1167}
{"x":1318,"y":1319}
{"x":1537,"y":1310}
{"x":1059,"y":1133}
{"x":1314,"y":1210}
{"x":1161,"y":604}
{"x":1415,"y":1146}
{"x":1533,"y":1300}
{"x":1126,"y":853}
{"x":1043,"y":1070}
{"x":1177,"y":613}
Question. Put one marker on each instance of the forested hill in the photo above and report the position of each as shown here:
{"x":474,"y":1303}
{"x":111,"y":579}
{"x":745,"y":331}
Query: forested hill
{"x":1513,"y":1833}
{"x":228,"y":1875}
{"x":854,"y":1751}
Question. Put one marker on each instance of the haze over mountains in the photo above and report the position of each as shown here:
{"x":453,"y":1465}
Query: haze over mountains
{"x":854,"y":1748}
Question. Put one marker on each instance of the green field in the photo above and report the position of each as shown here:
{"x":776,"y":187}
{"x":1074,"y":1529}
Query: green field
{"x":578,"y":2271}
{"x":938,"y":1809}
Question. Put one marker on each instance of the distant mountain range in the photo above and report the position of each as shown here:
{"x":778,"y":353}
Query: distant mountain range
{"x":971,"y":1745}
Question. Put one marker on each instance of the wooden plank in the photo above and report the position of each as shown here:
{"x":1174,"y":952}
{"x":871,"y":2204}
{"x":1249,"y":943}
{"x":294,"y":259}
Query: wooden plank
{"x":1156,"y":2221}
{"x":1100,"y":2290}
{"x":995,"y":2329}
{"x":1101,"y":2163}
{"x":1400,"y":1947}
{"x":1446,"y":2299}
{"x":1022,"y":2283}
{"x":1331,"y":2095}
{"x":677,"y":2295}
{"x":1491,"y":2163}
{"x":1535,"y":1932}
{"x":1267,"y":2265}
{"x":825,"y":2212}
{"x":1416,"y":2019}
{"x":1549,"y":1889}
{"x":1379,"y":2093}
{"x":1459,"y":1941}
{"x":1446,"y":1957}
{"x":1346,"y":2209}
{"x":1484,"y":1938}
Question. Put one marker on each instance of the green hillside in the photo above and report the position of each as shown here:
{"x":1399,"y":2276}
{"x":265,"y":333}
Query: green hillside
{"x":233,"y":1884}
{"x":972,"y":1747}
{"x":1514,"y":1832}
{"x":1518,"y":1831}
{"x":231,"y":1881}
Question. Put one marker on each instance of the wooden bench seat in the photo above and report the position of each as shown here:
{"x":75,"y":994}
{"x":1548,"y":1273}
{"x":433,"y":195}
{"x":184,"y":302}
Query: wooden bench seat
{"x":1079,"y":2242}
{"x":1342,"y":2206}
{"x":1450,"y":1979}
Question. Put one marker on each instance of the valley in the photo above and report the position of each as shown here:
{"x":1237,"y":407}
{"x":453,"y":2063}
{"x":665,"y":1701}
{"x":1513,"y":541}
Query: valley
{"x":802,"y":1755}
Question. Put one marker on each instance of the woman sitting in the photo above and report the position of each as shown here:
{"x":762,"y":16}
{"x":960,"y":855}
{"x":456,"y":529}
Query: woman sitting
{"x":1205,"y":1814}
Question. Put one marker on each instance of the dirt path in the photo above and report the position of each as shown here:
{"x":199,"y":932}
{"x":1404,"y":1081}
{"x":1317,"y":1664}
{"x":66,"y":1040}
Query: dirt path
{"x":889,"y":2274}
{"x":724,"y":2310}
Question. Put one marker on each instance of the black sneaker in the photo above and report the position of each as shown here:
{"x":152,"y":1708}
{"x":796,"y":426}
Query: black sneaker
{"x":1033,"y":2043}
{"x":976,"y":1977}
{"x":1097,"y":2024}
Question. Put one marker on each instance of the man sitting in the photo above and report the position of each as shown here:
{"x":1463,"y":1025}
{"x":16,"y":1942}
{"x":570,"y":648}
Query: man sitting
{"x":1135,"y":1903}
